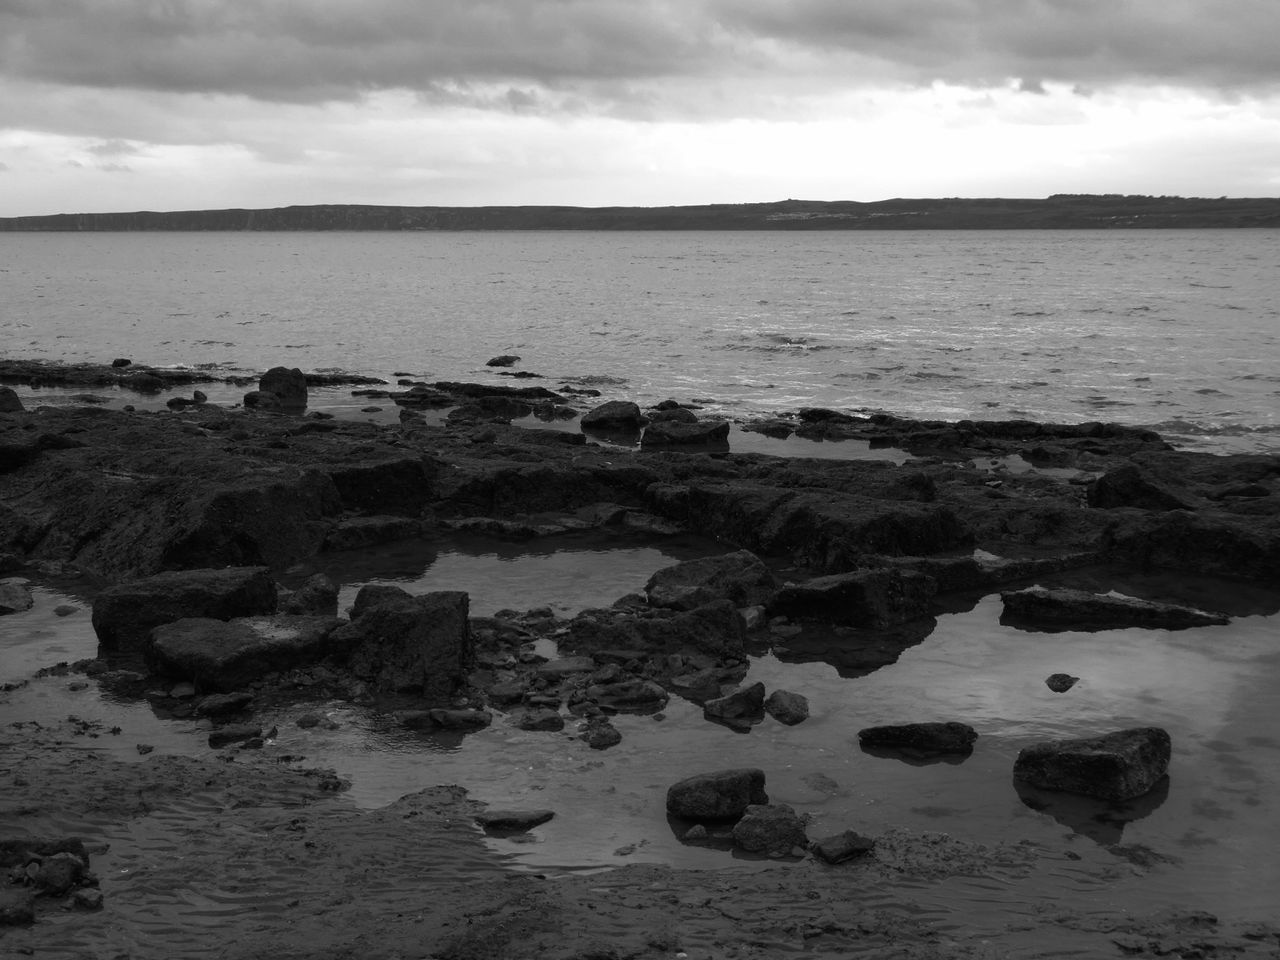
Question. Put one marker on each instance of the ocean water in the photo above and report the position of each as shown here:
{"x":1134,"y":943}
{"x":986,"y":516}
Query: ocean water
{"x":1178,"y":330}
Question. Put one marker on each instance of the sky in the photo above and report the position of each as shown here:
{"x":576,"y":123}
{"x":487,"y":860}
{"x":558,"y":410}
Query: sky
{"x":117,"y":105}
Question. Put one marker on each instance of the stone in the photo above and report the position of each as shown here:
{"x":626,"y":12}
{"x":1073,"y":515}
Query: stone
{"x":289,"y":385}
{"x":696,"y":834}
{"x":675,"y":433}
{"x":87,"y":898}
{"x":505,"y":360}
{"x":15,"y":597}
{"x":841,"y":847}
{"x":59,"y":873}
{"x":786,"y":707}
{"x":675,"y":414}
{"x":540,"y":719}
{"x":739,"y":577}
{"x":773,"y":829}
{"x":318,"y":596}
{"x":221,"y":656}
{"x":1128,"y":486}
{"x":745,"y":705}
{"x":126,"y":613}
{"x":1060,"y":682}
{"x":236,"y":733}
{"x":863,"y":598}
{"x":405,"y":643}
{"x":17,"y":907}
{"x":622,"y":415}
{"x":722,"y":795}
{"x":221,"y":704}
{"x":631,"y":693}
{"x":1051,"y":610}
{"x":920,"y":739}
{"x":10,"y":402}
{"x":119,"y":362}
{"x":600,"y":734}
{"x":1115,"y":766}
{"x":565,"y":667}
{"x":513,"y":821}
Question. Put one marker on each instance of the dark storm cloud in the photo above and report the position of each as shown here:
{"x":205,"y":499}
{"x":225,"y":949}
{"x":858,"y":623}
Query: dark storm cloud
{"x":313,"y":50}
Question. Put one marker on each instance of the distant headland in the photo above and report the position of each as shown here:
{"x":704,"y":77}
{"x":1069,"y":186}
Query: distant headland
{"x":1060,"y":211}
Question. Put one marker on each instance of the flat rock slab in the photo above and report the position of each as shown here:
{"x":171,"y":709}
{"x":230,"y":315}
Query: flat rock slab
{"x":237,"y":733}
{"x":722,"y":795}
{"x":568,"y":666}
{"x":127,"y":612}
{"x":224,"y":656}
{"x":513,"y":821}
{"x":1115,"y":766}
{"x":1043,"y":609}
{"x":740,"y":577}
{"x":863,"y":598}
{"x":920,"y":739}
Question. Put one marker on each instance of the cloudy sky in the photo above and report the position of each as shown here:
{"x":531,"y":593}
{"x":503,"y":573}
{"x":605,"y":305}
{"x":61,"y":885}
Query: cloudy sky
{"x":182,"y":104}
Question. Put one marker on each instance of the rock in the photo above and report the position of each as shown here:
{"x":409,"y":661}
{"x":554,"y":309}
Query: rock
{"x":672,"y":433}
{"x":505,"y":360}
{"x":144,"y":749}
{"x":289,"y":385}
{"x":465,"y":719}
{"x":622,"y":415}
{"x":842,"y":847}
{"x":237,"y":733}
{"x":59,"y":873}
{"x":773,"y":829}
{"x":1061,"y":682}
{"x":10,"y":402}
{"x":1127,"y":486}
{"x":1115,"y":766}
{"x":675,"y":414}
{"x":15,"y":597}
{"x":565,"y":667}
{"x":864,"y":598}
{"x":261,"y":400}
{"x":87,"y":898}
{"x":920,"y":739}
{"x":745,"y":705}
{"x":786,"y":707}
{"x":723,"y":795}
{"x":125,"y":614}
{"x":541,"y":719}
{"x":318,"y":596}
{"x":513,"y":821}
{"x":1040,"y":608}
{"x":714,"y":628}
{"x":401,"y":643}
{"x":221,"y":704}
{"x":359,"y":532}
{"x":631,"y":694}
{"x":738,"y":577}
{"x":696,"y":834}
{"x":17,"y":907}
{"x":600,"y":734}
{"x":222,"y":656}
{"x":119,"y":362}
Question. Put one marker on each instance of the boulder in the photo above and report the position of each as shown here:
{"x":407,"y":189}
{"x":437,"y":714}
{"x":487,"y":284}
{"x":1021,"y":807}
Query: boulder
{"x":1115,"y":766}
{"x":672,"y":433}
{"x":126,"y":613}
{"x":223,"y":704}
{"x":863,"y":598}
{"x":1051,"y":610}
{"x":405,"y":643}
{"x":742,"y":706}
{"x":739,"y":577}
{"x":613,"y":415}
{"x":1060,"y":682}
{"x":1128,"y":486}
{"x":223,"y":656}
{"x":920,"y":739}
{"x":505,"y":360}
{"x":15,"y":597}
{"x":59,"y":873}
{"x":318,"y":596}
{"x":600,"y":734}
{"x":10,"y":402}
{"x":723,"y":795}
{"x":773,"y":829}
{"x":677,"y":414}
{"x":288,"y":385}
{"x":842,"y":847}
{"x":513,"y":821}
{"x":786,"y":707}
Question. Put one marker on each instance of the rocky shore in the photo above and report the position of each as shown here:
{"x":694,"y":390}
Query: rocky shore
{"x":193,"y":529}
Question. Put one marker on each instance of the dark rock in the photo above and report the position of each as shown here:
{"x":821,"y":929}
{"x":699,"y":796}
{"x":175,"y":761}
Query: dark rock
{"x":786,"y":707}
{"x":714,"y":628}
{"x":505,"y":360}
{"x":87,"y":898}
{"x":224,"y":655}
{"x":237,"y":733}
{"x":1039,"y":608}
{"x":1115,"y":766}
{"x":1127,"y":486}
{"x":401,"y":642}
{"x":920,"y":739}
{"x":723,"y":795}
{"x":863,"y":598}
{"x":10,"y":402}
{"x":317,"y":597}
{"x":630,"y":694}
{"x":119,"y":362}
{"x":773,"y":829}
{"x":600,"y":734}
{"x":738,"y":577}
{"x":17,"y":907}
{"x":742,"y":706}
{"x":1061,"y":682}
{"x":464,"y":720}
{"x":540,"y":719}
{"x":262,"y":400}
{"x":15,"y":597}
{"x":842,"y":847}
{"x":222,"y":704}
{"x":565,"y":667}
{"x":359,"y":532}
{"x":613,"y":415}
{"x":671,"y":433}
{"x":126,"y":613}
{"x":59,"y":873}
{"x":513,"y":821}
{"x":696,"y":834}
{"x":143,"y":382}
{"x":675,"y":414}
{"x":289,"y":385}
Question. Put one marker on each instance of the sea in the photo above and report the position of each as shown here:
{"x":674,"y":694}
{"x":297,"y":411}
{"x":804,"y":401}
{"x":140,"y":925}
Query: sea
{"x":1178,"y":330}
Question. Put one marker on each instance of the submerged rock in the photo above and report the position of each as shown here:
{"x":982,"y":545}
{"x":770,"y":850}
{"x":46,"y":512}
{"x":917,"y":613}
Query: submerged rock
{"x":1115,"y":766}
{"x":1057,"y":609}
{"x":126,"y":613}
{"x":723,"y":795}
{"x":599,"y":734}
